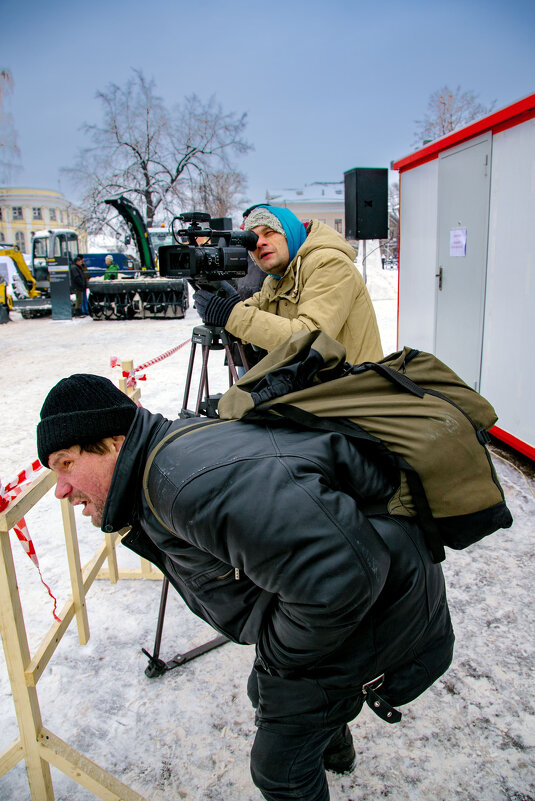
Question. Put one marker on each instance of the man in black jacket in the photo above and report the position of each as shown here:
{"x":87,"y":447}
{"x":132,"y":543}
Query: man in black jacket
{"x":343,"y":608}
{"x":78,"y":284}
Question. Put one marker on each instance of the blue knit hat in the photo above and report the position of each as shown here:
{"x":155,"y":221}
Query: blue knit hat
{"x":285,"y":222}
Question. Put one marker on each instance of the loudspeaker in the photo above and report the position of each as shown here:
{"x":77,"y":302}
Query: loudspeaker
{"x":366,"y":203}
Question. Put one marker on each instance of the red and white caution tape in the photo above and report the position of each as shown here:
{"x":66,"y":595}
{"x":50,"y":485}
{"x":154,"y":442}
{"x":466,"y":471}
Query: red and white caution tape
{"x":8,"y":494}
{"x":131,"y":377}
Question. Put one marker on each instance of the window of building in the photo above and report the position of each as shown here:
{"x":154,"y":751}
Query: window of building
{"x":338,"y":226}
{"x":52,"y":214}
{"x":37,"y":214}
{"x":1,"y":218}
{"x":60,"y":215}
{"x":2,"y":237}
{"x":17,"y":213}
{"x":20,"y":241}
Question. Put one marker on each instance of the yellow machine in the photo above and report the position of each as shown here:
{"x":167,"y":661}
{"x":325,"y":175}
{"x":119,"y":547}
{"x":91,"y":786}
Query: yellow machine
{"x":34,"y":303}
{"x":6,"y":303}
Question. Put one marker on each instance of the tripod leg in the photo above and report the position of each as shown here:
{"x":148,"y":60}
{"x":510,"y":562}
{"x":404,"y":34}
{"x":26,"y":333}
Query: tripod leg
{"x":243,"y":357}
{"x":233,"y":373}
{"x":156,"y":665}
{"x":203,"y":381}
{"x":161,"y":616}
{"x":189,"y":374}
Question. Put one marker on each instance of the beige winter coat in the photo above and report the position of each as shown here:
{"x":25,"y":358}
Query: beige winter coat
{"x":321,"y":288}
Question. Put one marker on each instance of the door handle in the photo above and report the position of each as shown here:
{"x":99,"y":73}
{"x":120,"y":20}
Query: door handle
{"x":439,"y":276}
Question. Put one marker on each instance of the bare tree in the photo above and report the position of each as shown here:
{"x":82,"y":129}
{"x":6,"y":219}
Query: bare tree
{"x":9,"y":151}
{"x":153,"y":153}
{"x":389,"y":247}
{"x":448,"y":111}
{"x":219,"y":193}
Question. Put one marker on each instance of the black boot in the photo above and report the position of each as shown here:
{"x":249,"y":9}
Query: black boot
{"x":339,"y":756}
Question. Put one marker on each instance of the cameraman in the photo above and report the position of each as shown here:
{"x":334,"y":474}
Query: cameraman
{"x":312,"y":283}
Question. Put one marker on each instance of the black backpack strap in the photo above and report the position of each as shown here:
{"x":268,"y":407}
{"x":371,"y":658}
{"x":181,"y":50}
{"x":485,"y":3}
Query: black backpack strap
{"x":340,"y":424}
{"x":432,"y":535}
{"x":169,"y":437}
{"x":400,"y":379}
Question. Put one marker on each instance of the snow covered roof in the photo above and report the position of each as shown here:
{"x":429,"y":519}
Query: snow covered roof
{"x":323,"y":191}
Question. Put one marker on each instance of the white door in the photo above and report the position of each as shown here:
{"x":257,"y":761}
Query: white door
{"x":463,"y":216}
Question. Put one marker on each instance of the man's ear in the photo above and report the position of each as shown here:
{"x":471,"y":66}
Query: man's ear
{"x":117,"y":443}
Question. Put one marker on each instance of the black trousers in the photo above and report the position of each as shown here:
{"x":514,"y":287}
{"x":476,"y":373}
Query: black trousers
{"x":286,"y":767}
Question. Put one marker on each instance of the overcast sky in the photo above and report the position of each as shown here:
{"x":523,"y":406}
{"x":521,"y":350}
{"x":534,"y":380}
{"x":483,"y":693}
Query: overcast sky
{"x":327,"y":86}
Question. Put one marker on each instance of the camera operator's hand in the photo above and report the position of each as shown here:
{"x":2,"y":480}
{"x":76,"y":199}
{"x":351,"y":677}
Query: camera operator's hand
{"x":213,"y":309}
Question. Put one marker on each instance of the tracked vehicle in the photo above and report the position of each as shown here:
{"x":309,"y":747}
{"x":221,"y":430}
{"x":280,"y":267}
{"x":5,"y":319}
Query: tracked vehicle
{"x":126,"y":298}
{"x":140,"y":293}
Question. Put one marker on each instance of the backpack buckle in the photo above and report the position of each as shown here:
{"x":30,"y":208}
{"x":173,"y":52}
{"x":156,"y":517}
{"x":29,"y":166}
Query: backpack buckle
{"x":374,"y":684}
{"x":377,"y":704}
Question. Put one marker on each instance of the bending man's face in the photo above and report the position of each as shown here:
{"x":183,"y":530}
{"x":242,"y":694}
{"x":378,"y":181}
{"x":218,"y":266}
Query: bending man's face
{"x":271,"y":254}
{"x":84,"y":478}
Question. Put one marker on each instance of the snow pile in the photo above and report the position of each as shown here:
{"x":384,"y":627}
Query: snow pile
{"x":187,"y":735}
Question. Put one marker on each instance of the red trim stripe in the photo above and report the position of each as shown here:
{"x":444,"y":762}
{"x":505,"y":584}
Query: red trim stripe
{"x":514,"y":442}
{"x":500,"y":120}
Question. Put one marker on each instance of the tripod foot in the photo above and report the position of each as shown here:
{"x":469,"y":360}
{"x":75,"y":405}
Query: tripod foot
{"x":156,"y":667}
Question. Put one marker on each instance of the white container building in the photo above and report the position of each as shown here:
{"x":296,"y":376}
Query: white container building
{"x":467,"y":261}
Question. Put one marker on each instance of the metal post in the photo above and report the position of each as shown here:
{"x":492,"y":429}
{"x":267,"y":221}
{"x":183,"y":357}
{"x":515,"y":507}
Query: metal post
{"x":364,"y":261}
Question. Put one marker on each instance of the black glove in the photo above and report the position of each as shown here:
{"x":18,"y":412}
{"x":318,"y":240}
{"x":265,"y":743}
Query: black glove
{"x":213,"y":309}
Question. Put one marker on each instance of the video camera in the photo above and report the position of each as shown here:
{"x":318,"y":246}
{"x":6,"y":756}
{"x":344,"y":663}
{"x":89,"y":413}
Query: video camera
{"x":208,"y":254}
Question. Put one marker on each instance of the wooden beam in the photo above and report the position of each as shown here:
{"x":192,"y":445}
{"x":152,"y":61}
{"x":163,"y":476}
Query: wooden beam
{"x":83,"y":770}
{"x":132,"y":573}
{"x":50,"y":642}
{"x":75,"y":571}
{"x":17,"y":655}
{"x":148,"y":570}
{"x":11,"y":756}
{"x":113,"y":569}
{"x":36,"y":745}
{"x":26,"y":500}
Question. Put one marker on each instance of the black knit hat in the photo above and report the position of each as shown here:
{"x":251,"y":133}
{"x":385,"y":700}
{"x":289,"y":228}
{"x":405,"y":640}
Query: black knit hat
{"x":81,"y":410}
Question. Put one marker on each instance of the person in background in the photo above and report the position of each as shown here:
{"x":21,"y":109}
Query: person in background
{"x":311,"y":283}
{"x":78,"y":285}
{"x":85,"y":304}
{"x":111,"y":269}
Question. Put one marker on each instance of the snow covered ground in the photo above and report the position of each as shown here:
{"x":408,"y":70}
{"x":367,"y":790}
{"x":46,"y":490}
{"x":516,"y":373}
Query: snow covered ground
{"x":187,"y":735}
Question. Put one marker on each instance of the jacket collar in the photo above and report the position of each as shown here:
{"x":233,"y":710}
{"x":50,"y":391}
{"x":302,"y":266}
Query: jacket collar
{"x":124,"y":494}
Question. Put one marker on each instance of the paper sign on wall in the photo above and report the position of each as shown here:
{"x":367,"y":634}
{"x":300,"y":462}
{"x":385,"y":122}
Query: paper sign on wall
{"x":458,"y":242}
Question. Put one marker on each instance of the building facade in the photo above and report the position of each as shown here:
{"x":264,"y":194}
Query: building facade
{"x":23,"y":211}
{"x":320,"y":200}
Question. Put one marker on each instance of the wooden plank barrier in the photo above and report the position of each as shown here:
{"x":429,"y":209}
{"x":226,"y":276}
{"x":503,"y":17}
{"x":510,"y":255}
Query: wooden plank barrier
{"x":146,"y":569}
{"x":38,"y":746}
{"x":132,"y":392}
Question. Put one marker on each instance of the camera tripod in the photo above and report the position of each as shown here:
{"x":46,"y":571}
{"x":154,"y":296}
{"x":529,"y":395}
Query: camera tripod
{"x":210,"y":338}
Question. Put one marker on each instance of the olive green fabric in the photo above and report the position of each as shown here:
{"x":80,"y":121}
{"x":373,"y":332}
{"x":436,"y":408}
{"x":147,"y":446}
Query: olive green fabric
{"x":437,"y":438}
{"x":321,"y":290}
